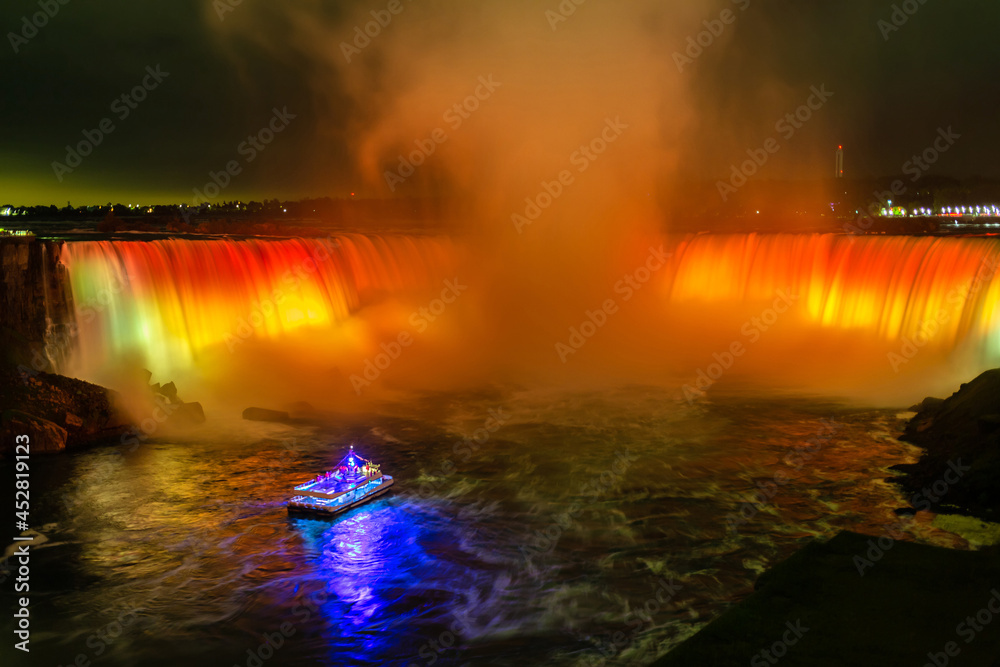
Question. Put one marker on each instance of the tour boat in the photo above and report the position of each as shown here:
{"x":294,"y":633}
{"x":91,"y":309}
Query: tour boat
{"x":354,"y":481}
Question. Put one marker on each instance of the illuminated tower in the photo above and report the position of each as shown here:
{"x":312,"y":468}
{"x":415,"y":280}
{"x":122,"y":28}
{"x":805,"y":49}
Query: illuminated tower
{"x":840,"y":162}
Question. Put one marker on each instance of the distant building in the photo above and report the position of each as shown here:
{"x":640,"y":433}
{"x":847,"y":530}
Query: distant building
{"x":839,"y":173}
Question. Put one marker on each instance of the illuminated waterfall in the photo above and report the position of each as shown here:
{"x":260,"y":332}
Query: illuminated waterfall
{"x":182,"y":305}
{"x":168,"y":301}
{"x":945,"y":291}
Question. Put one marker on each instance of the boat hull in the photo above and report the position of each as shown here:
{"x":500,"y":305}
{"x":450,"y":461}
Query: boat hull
{"x":306,"y":505}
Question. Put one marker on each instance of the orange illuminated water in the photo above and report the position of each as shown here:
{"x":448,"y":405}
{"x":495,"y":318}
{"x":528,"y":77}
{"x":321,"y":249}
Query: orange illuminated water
{"x":482,"y":534}
{"x":168,"y":302}
{"x":940,"y":291}
{"x":177,"y":305}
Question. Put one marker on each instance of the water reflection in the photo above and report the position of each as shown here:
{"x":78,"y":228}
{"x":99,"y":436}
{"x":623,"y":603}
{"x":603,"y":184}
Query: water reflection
{"x":367,"y":558}
{"x":196,"y":538}
{"x":376,"y":576}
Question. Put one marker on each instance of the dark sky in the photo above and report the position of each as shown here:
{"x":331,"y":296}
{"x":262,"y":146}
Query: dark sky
{"x":938,"y":70}
{"x":891,"y":94}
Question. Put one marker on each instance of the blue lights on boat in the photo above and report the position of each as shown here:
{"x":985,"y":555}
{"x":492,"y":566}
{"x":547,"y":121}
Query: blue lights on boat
{"x":346,"y":486}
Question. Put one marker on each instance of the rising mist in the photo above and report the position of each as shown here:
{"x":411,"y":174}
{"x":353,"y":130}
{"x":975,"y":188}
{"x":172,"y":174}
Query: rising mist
{"x":561,"y":143}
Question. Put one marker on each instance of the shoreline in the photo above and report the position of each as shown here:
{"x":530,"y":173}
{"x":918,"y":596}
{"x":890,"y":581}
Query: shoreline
{"x":868,"y":596}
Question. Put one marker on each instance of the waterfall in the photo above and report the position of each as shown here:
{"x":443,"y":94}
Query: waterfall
{"x":168,"y":301}
{"x":923,"y":289}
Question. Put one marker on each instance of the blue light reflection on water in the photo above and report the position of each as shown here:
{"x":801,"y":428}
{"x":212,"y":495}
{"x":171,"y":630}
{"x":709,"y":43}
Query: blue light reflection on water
{"x":199,"y":539}
{"x":386,"y":576}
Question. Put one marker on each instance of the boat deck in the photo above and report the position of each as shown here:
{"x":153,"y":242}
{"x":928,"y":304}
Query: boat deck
{"x":330,"y":485}
{"x":342,"y":502}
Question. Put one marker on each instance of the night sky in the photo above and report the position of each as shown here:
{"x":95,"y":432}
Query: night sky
{"x":226,"y":75}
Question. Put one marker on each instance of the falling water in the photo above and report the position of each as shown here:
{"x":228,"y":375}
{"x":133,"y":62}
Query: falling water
{"x":170,"y":301}
{"x":174,"y":303}
{"x":939,"y":291}
{"x":192,"y":532}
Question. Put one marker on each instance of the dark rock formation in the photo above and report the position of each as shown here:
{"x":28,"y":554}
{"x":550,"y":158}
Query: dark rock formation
{"x":35,"y":302}
{"x":817,"y":608}
{"x":59,"y":413}
{"x":188,"y":414}
{"x":962,"y":431}
{"x":265,"y":415}
{"x":169,"y":390}
{"x":56,"y":412}
{"x":178,"y":411}
{"x":43,"y":435}
{"x":928,"y":403}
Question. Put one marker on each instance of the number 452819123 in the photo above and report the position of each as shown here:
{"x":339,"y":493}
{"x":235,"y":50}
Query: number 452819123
{"x":21,"y":452}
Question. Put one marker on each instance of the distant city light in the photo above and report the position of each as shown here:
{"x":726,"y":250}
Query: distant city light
{"x":980,"y":210}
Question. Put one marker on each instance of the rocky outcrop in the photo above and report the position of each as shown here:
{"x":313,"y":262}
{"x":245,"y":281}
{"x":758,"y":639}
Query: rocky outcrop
{"x":856,"y":600}
{"x":42,"y":435}
{"x":179,"y":412}
{"x":961,"y":436}
{"x":35,"y":302}
{"x":188,"y":413}
{"x":56,"y":412}
{"x":59,"y":413}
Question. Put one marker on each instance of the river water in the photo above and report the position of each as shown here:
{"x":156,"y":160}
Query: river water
{"x":542,"y":526}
